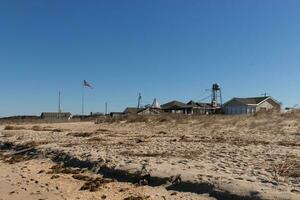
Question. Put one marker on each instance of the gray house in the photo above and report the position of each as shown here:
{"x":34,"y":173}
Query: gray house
{"x":177,"y":107}
{"x":199,"y":108}
{"x":251,"y":105}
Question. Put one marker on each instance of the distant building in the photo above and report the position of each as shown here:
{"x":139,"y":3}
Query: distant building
{"x":116,"y":114}
{"x":56,"y":116}
{"x":251,"y":105}
{"x":150,"y":111}
{"x":292,"y":110}
{"x":96,"y":114}
{"x":154,"y":109}
{"x":177,"y":107}
{"x":131,"y":111}
{"x":202,"y":108}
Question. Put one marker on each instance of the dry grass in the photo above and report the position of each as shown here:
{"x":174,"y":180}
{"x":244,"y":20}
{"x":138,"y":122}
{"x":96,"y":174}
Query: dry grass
{"x":47,"y":128}
{"x":80,"y":134}
{"x":103,"y":130}
{"x":11,"y":127}
{"x":7,"y":135}
{"x":289,"y":143}
{"x":39,"y":128}
{"x":288,"y":168}
{"x":97,"y":139}
{"x":148,"y":154}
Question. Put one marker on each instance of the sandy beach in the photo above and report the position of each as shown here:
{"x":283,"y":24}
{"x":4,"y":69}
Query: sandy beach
{"x":211,"y":157}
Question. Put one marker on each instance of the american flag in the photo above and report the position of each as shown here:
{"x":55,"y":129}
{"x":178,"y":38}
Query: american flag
{"x":86,"y":84}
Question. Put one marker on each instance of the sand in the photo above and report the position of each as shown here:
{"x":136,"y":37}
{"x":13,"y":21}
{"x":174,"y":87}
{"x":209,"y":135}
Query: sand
{"x":30,"y":180}
{"x":220,"y":157}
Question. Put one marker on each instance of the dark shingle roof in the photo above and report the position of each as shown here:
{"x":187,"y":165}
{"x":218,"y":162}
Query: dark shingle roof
{"x":175,"y":105}
{"x":131,"y":110}
{"x":251,"y":100}
{"x":192,"y":103}
{"x":199,"y":104}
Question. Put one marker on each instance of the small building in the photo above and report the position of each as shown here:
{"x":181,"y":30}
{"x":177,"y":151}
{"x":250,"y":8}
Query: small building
{"x":56,"y":116}
{"x":131,"y":110}
{"x":115,"y":114}
{"x":177,"y":107}
{"x":150,"y":111}
{"x":199,"y":108}
{"x":153,"y":109}
{"x":292,"y":110}
{"x":250,"y":105}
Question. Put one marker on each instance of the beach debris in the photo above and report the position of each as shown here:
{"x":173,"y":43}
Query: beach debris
{"x":82,"y":177}
{"x":144,"y":175}
{"x":94,"y":184}
{"x":175,"y":179}
{"x":134,"y":198}
{"x":61,"y":169}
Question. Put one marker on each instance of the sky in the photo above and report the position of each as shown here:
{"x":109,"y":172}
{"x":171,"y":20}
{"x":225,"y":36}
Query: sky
{"x":165,"y":49}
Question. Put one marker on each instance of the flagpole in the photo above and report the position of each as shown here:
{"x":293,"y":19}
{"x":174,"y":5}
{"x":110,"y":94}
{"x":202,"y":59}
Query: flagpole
{"x":82,"y":100}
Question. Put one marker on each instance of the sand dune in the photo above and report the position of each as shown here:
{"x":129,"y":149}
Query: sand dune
{"x":255,"y":157}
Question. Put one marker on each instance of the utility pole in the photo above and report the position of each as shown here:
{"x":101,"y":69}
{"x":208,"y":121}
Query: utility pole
{"x":105,"y":108}
{"x":59,"y":108}
{"x":264,"y":94}
{"x":139,"y":101}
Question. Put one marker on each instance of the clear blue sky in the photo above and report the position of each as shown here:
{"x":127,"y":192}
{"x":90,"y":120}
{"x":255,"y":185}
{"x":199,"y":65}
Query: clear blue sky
{"x":168,"y":49}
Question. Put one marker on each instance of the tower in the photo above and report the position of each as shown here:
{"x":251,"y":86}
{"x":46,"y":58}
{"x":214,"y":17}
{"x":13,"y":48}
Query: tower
{"x":216,"y":96}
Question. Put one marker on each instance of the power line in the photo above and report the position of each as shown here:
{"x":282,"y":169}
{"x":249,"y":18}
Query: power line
{"x":201,"y":97}
{"x":205,"y":98}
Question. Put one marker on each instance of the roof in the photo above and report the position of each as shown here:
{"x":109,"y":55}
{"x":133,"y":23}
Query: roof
{"x":252,"y":100}
{"x":192,"y":103}
{"x":131,"y":110}
{"x":155,"y":104}
{"x":50,"y":114}
{"x":150,"y":109}
{"x":200,"y":105}
{"x":205,"y":105}
{"x":175,"y":105}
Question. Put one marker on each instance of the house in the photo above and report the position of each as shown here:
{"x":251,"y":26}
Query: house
{"x":150,"y":111}
{"x":54,"y":116}
{"x":177,"y":107}
{"x":115,"y":114}
{"x":250,"y":105}
{"x":131,"y":111}
{"x":202,"y":108}
{"x":154,"y":109}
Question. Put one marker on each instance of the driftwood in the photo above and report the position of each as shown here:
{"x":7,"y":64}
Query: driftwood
{"x":19,"y":152}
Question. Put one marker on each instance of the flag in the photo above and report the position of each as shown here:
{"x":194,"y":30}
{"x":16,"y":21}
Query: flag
{"x":86,"y":84}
